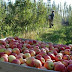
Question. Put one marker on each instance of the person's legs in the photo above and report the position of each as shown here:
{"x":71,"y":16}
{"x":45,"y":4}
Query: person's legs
{"x":49,"y":23}
{"x":52,"y":22}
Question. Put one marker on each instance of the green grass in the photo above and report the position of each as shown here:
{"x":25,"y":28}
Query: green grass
{"x":58,"y":34}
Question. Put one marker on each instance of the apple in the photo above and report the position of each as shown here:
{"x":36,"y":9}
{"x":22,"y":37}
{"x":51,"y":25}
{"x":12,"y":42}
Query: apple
{"x":37,"y":63}
{"x":7,"y":46}
{"x":19,"y":45}
{"x":4,"y":58}
{"x":30,"y":42}
{"x":58,"y":58}
{"x":21,"y":59}
{"x":49,"y":65}
{"x":16,"y":61}
{"x":67,"y":51}
{"x":38,"y":56}
{"x":52,"y":56}
{"x":70,"y":61}
{"x":28,"y":46}
{"x":66,"y":57}
{"x":20,"y":55}
{"x":62,"y":48}
{"x":37,"y":51}
{"x":54,"y":52}
{"x":14,"y":54}
{"x":26,"y":55}
{"x":29,"y":61}
{"x":26,"y":51}
{"x":34,"y":41}
{"x":67,"y":47}
{"x":46,"y":57}
{"x":43,"y":50}
{"x":16,"y":50}
{"x":8,"y":51}
{"x":69,"y":68}
{"x":42,"y":54}
{"x":2,"y":49}
{"x":32,"y":52}
{"x":1,"y":53}
{"x":65,"y":62}
{"x":59,"y":67}
{"x":11,"y":58}
{"x":71,"y":57}
{"x":47,"y":49}
{"x":4,"y":55}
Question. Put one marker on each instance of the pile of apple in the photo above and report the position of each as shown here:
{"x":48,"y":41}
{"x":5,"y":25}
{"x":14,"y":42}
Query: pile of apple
{"x":36,"y":54}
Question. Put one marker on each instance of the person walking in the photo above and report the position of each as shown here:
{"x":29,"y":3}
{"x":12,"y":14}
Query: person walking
{"x":50,"y":18}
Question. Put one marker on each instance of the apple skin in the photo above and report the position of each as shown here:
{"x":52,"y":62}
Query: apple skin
{"x":26,"y":51}
{"x":21,"y":59}
{"x":49,"y":65}
{"x":11,"y":58}
{"x":26,"y":55}
{"x":39,"y":57}
{"x":4,"y":58}
{"x":58,"y":58}
{"x":66,"y":57}
{"x":29,"y":61}
{"x":4,"y":55}
{"x":8,"y":51}
{"x":16,"y":50}
{"x":37,"y":63}
{"x":16,"y":61}
{"x":7,"y":46}
{"x":32,"y":52}
{"x":2,"y":49}
{"x":65,"y":62}
{"x":70,"y":62}
{"x":46,"y":57}
{"x":59,"y":67}
{"x":67,"y":51}
{"x":69,"y":68}
{"x":52,"y":56}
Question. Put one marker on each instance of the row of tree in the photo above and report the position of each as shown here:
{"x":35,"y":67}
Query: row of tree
{"x":16,"y":17}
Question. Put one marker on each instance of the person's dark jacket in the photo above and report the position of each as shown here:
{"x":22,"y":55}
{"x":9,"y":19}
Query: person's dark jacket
{"x":52,"y":16}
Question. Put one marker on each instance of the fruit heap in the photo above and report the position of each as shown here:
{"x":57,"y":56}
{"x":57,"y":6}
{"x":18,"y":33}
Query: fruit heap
{"x":36,"y":54}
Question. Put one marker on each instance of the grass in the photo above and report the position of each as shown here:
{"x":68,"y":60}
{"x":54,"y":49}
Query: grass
{"x":58,"y":34}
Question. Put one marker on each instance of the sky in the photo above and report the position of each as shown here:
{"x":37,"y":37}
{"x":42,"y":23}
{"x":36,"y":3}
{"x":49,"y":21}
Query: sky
{"x":56,"y":1}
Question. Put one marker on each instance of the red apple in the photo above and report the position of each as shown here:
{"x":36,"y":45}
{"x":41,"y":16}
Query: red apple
{"x":4,"y":55}
{"x":67,"y":51}
{"x":52,"y":56}
{"x":70,"y":61}
{"x":4,"y":58}
{"x":59,"y":67}
{"x":16,"y":61}
{"x":66,"y":57}
{"x":65,"y":62}
{"x":16,"y":50}
{"x":11,"y":58}
{"x":37,"y":63}
{"x":26,"y":55}
{"x":46,"y":57}
{"x":69,"y":68}
{"x":21,"y":59}
{"x":49,"y":65}
{"x":32,"y":52}
{"x":26,"y":51}
{"x":2,"y":49}
{"x":29,"y":61}
{"x":8,"y":51}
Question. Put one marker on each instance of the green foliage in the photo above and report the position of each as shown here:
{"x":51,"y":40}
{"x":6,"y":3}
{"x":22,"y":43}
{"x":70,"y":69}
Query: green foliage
{"x":30,"y":20}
